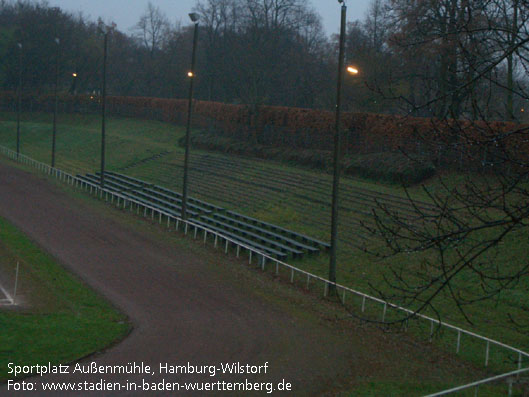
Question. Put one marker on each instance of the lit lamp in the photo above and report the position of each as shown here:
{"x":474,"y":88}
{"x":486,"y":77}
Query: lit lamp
{"x":191,"y":74}
{"x":73,"y":88}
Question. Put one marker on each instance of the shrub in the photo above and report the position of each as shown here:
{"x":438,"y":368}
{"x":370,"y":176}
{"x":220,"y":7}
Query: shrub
{"x":445,"y":143}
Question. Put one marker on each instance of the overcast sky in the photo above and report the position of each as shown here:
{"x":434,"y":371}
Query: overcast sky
{"x":126,"y":13}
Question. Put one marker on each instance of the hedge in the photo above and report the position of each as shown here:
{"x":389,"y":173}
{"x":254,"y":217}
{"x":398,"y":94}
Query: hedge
{"x":444,"y":142}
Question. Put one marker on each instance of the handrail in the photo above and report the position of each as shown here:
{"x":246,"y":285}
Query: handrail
{"x":480,"y":382}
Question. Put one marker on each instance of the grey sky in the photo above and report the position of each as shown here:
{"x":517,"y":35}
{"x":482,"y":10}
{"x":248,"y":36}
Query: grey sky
{"x":126,"y":13}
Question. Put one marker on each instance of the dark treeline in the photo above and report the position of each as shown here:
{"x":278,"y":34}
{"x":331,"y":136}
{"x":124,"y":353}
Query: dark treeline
{"x":443,"y":58}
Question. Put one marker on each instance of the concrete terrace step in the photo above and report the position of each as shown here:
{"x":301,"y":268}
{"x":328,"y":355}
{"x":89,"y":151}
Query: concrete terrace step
{"x":269,"y":238}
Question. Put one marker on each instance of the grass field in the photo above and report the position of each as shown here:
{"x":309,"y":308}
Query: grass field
{"x":60,"y":319}
{"x":290,"y":196}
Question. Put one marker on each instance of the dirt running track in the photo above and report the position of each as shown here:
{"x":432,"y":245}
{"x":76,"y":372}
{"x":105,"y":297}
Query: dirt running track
{"x":182,"y":309}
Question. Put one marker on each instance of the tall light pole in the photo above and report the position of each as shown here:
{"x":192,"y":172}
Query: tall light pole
{"x":19,"y":101}
{"x":105,"y":30}
{"x":56,"y":104}
{"x":337,"y":152}
{"x":194,"y":18}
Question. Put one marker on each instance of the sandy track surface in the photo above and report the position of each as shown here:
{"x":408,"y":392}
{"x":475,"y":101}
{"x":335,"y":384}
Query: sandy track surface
{"x":181,"y":309}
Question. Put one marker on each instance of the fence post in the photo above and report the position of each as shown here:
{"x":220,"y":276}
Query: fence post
{"x":16,"y":284}
{"x":431,"y":330}
{"x":487,"y":354}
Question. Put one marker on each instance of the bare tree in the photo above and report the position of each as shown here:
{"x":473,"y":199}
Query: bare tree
{"x":151,"y":28}
{"x":262,"y":51}
{"x":452,"y":247}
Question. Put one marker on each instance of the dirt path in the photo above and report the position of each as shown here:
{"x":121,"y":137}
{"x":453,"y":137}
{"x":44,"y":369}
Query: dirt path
{"x":181,"y":312}
{"x":181,"y":308}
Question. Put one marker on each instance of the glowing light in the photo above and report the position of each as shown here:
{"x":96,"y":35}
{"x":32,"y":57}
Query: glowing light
{"x":352,"y":70}
{"x":74,"y":74}
{"x":190,"y":74}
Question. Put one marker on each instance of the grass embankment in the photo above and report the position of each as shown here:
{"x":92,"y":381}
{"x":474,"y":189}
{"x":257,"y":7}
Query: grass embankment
{"x":293,"y":197}
{"x":59,"y":320}
{"x":392,"y":167}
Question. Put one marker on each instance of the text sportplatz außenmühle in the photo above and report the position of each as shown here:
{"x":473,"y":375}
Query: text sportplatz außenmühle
{"x":235,"y":368}
{"x":160,"y":377}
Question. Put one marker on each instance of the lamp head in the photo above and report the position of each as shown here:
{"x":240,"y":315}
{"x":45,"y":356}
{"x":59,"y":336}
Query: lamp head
{"x":104,"y":28}
{"x":352,"y":70}
{"x":194,"y":17}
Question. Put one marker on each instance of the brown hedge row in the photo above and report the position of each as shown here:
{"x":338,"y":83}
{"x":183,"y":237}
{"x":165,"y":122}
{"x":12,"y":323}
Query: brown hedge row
{"x":443,"y":142}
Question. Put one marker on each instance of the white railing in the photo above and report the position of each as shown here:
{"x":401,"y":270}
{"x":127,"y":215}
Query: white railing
{"x":8,"y":300}
{"x":124,"y":201}
{"x":509,"y":377}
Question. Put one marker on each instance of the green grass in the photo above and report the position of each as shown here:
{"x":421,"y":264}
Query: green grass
{"x":293,"y":197}
{"x":60,"y":320}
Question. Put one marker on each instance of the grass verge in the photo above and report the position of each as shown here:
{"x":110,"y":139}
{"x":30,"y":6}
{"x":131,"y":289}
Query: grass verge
{"x":61,"y":319}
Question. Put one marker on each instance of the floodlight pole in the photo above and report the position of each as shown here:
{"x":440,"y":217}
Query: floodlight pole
{"x":337,"y":154}
{"x":19,"y":105}
{"x":103,"y":108}
{"x":54,"y":134}
{"x":194,"y":18}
